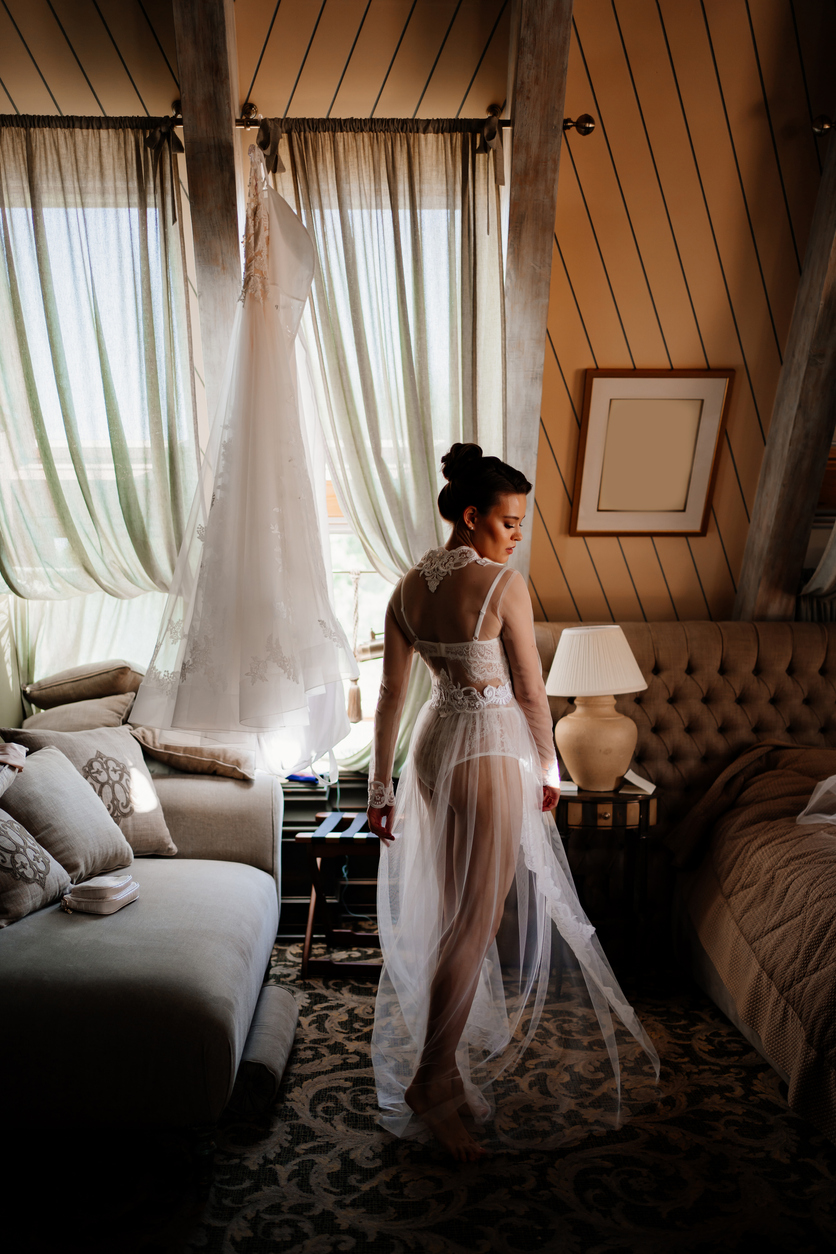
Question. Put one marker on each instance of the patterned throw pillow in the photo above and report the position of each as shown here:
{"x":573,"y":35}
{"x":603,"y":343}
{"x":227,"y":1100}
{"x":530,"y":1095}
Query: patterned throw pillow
{"x":52,"y":802}
{"x":29,"y":876}
{"x":112,"y":763}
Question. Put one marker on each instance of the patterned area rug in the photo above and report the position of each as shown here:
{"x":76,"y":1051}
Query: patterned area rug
{"x":715,"y":1161}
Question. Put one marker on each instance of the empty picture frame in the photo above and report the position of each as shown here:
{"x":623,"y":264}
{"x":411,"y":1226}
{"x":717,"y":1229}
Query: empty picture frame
{"x":647,"y":457}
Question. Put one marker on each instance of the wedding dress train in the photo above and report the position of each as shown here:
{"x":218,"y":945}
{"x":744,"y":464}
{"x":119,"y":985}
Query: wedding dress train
{"x":476,"y":882}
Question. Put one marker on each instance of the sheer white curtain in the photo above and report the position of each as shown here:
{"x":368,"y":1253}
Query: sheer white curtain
{"x":405,"y":320}
{"x":98,"y":456}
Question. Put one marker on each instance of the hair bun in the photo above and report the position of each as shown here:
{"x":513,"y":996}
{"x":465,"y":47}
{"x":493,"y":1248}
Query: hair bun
{"x":461,"y":460}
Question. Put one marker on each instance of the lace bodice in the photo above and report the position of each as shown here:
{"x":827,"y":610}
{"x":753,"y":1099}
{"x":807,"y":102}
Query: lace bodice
{"x":482,"y":670}
{"x":450,"y":595}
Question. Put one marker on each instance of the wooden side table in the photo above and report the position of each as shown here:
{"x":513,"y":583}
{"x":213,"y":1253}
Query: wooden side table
{"x":339,"y":833}
{"x":605,"y":835}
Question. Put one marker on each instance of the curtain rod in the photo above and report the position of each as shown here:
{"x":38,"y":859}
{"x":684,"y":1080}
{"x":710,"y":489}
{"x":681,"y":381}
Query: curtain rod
{"x":57,"y":121}
{"x":420,"y":126}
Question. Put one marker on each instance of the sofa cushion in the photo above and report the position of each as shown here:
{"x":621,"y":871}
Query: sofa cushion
{"x":231,"y":761}
{"x":83,"y":715}
{"x":84,"y":683}
{"x":111,"y":761}
{"x":29,"y":875}
{"x":153,"y":1003}
{"x":52,"y":802}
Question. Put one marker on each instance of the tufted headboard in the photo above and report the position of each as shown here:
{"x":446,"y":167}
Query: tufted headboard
{"x":713,"y":690}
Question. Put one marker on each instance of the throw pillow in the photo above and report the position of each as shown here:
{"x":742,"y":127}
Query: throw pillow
{"x":83,"y":715}
{"x":84,"y":683}
{"x":231,"y":761}
{"x":29,"y":876}
{"x":111,"y":761}
{"x":52,"y":802}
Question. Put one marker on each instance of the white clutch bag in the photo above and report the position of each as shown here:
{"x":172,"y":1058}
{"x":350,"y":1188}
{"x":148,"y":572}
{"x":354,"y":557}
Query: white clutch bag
{"x":103,"y":894}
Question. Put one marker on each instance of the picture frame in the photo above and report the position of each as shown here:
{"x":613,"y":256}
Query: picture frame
{"x":648,"y":451}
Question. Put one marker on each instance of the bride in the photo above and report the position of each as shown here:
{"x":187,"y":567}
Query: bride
{"x":472,"y":870}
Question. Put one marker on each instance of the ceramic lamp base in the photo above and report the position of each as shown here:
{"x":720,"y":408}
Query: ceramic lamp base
{"x":596,"y":743}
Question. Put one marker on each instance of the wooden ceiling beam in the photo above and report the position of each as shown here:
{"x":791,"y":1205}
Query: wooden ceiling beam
{"x":801,"y":429}
{"x":541,"y":42}
{"x":207,"y":64}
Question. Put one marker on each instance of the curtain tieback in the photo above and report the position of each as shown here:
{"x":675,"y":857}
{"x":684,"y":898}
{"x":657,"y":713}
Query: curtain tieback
{"x":268,"y":139}
{"x":156,"y":141}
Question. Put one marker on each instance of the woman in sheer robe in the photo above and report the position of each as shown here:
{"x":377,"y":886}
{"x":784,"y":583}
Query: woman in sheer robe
{"x":470,"y":845}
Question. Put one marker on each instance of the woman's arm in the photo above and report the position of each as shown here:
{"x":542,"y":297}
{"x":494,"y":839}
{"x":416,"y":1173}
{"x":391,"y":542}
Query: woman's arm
{"x":515,"y":614}
{"x":397,"y":658}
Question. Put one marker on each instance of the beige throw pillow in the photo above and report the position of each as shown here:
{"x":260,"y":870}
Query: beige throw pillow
{"x":228,"y":760}
{"x":84,"y":683}
{"x":29,"y":876}
{"x":83,"y":715}
{"x":111,"y":761}
{"x":52,"y":802}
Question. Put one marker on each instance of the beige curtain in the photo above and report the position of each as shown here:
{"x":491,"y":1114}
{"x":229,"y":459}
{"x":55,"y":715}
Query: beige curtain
{"x":405,"y":321}
{"x":98,"y":455}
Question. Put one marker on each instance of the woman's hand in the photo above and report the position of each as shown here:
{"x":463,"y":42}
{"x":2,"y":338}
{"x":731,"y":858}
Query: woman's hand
{"x":379,"y":820}
{"x":551,"y":796}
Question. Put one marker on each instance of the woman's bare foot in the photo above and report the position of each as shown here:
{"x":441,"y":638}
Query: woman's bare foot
{"x":436,"y":1102}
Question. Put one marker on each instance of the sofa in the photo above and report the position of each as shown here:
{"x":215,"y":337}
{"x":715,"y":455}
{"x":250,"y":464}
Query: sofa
{"x":145,"y":1017}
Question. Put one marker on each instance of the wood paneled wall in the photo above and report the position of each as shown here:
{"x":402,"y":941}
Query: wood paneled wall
{"x":679,"y":236}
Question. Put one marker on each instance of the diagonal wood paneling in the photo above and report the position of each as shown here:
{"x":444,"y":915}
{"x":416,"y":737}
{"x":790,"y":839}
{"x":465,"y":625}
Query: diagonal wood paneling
{"x":680,"y":228}
{"x":87,"y":56}
{"x":382,"y":58}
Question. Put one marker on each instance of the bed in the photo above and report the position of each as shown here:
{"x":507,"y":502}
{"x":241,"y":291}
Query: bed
{"x":736,"y":726}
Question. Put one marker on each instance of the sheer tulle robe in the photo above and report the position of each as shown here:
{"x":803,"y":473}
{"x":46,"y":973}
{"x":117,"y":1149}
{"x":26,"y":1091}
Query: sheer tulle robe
{"x":476,"y":881}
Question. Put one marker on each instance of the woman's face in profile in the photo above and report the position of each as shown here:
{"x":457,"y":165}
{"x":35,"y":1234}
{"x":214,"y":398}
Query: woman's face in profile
{"x":496,"y":534}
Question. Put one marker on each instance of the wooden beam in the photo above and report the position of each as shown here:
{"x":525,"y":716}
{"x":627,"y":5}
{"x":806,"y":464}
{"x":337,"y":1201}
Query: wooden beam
{"x":207,"y":63}
{"x":801,"y":429}
{"x":539,"y":78}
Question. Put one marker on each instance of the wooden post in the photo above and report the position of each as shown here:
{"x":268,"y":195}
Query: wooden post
{"x":539,"y":77}
{"x":801,"y":429}
{"x":206,"y":58}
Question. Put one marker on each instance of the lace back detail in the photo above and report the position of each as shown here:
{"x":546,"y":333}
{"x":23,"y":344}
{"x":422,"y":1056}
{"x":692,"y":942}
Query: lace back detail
{"x":436,"y":563}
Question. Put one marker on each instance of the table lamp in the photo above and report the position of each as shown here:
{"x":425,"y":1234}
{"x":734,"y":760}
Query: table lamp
{"x":596,"y":743}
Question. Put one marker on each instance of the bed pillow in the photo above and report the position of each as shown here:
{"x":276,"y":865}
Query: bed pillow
{"x":29,"y":876}
{"x":231,"y":761}
{"x":63,"y":814}
{"x":84,"y":683}
{"x":83,"y":715}
{"x":111,"y":761}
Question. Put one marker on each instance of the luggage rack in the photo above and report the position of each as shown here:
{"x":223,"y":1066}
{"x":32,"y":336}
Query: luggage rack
{"x":339,"y":833}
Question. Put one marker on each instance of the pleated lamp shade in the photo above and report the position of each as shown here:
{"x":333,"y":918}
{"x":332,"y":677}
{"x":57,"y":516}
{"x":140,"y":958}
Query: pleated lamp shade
{"x":593,"y":662}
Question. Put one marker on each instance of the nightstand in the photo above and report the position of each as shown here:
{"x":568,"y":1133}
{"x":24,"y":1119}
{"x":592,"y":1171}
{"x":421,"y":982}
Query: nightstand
{"x":605,"y":835}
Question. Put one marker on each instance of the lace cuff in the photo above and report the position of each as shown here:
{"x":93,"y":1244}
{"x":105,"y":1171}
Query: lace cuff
{"x":551,"y":775}
{"x":381,"y":795}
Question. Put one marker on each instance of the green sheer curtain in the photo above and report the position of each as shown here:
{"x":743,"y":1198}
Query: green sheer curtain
{"x":98,"y":452}
{"x":406,"y":321}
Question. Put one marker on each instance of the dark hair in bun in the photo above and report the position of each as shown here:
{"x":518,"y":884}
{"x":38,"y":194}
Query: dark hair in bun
{"x":476,"y":480}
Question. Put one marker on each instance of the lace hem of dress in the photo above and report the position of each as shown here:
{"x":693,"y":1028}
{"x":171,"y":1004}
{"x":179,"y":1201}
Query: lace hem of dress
{"x":436,"y":563}
{"x":448,"y":696}
{"x":381,"y":795}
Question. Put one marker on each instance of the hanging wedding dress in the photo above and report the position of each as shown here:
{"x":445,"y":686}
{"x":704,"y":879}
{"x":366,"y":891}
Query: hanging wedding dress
{"x":249,"y":642}
{"x":474,"y":852}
